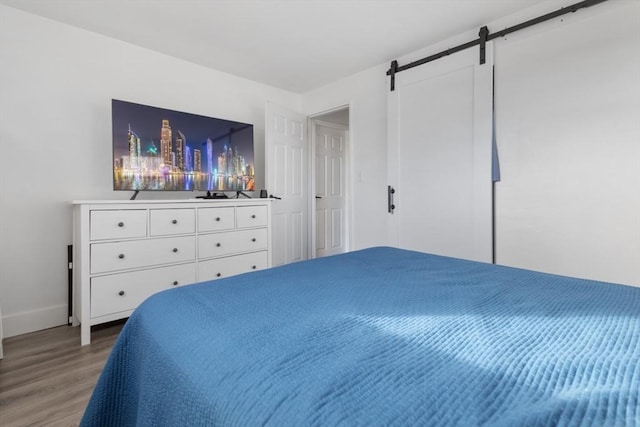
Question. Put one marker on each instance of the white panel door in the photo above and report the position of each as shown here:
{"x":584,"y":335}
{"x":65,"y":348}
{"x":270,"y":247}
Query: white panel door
{"x":440,"y":157}
{"x":287,"y":160}
{"x":331,"y":199}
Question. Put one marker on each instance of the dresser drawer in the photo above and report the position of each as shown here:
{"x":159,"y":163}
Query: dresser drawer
{"x":165,"y":222}
{"x":251,"y":216}
{"x":118,"y":224}
{"x":229,"y":266}
{"x":221,"y":244}
{"x":125,"y":291}
{"x":216,"y":219}
{"x":113,"y":256}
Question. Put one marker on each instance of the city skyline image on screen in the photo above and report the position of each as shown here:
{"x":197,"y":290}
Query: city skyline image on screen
{"x":160,"y":149}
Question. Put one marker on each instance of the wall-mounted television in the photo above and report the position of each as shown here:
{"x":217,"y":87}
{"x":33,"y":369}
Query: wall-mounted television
{"x":166,"y":150}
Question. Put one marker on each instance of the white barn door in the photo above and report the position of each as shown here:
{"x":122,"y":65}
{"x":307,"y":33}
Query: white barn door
{"x":286,"y":165}
{"x":440,"y":124}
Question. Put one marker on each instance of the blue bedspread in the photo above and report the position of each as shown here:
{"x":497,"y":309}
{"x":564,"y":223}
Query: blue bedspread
{"x":378,"y":337}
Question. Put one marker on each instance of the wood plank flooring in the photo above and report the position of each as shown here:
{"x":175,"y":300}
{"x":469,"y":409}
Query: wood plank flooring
{"x":46,"y":377}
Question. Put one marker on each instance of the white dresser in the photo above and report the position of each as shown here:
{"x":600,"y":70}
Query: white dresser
{"x":124,"y":251}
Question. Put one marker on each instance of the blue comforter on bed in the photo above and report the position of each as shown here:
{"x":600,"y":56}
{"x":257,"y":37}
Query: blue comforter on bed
{"x":378,"y":337}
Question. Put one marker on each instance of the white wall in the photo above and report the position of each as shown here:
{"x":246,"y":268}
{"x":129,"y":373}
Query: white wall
{"x":568,"y":114}
{"x":56,"y":86}
{"x":366,"y":96}
{"x":568,"y":132}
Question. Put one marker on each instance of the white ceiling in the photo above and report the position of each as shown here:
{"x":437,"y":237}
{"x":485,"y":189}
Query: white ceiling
{"x":297,"y":45}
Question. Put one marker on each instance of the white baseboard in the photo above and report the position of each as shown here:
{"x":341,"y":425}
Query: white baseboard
{"x":36,"y":320}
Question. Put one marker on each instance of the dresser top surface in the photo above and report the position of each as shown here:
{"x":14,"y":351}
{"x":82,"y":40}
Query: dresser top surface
{"x":194,"y":202}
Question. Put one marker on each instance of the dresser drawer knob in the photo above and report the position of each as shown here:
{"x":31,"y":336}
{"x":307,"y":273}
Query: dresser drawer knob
{"x":253,"y":216}
{"x":121,"y":256}
{"x":175,"y":283}
{"x":218,"y":245}
{"x":175,"y":250}
{"x":253,"y":240}
{"x":217,"y":218}
{"x":254,"y":267}
{"x":175,"y":221}
{"x":219,"y":275}
{"x":121,"y":293}
{"x":121,"y":224}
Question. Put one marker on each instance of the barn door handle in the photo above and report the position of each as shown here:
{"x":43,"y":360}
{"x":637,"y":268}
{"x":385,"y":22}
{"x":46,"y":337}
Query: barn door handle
{"x":390,"y":192}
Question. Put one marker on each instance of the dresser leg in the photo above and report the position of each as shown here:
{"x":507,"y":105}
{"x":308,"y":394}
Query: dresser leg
{"x":85,"y":334}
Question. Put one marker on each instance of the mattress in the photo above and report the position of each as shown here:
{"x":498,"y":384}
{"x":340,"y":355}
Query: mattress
{"x":378,"y":337}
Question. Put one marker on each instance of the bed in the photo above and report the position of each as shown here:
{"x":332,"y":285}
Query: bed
{"x":380,"y":336}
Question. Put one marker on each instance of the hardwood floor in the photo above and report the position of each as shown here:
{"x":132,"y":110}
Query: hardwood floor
{"x":46,"y":377}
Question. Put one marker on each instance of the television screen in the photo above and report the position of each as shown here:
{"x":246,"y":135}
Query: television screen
{"x":160,"y":149}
